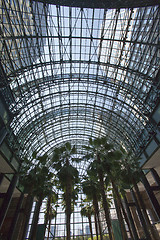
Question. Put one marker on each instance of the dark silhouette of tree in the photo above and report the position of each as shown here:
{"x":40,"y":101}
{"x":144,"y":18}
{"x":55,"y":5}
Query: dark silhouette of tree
{"x":67,"y":176}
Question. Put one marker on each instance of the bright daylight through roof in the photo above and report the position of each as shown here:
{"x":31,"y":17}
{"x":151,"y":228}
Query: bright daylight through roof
{"x":79,"y":120}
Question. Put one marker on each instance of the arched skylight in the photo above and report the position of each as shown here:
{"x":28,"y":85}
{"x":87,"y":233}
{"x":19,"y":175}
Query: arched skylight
{"x":75,"y":73}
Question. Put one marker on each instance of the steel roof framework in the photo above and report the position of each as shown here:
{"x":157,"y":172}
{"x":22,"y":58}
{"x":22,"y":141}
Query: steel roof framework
{"x":77,"y":73}
{"x":68,"y":74}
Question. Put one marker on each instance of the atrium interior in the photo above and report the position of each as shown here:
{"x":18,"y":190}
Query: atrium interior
{"x":72,"y":72}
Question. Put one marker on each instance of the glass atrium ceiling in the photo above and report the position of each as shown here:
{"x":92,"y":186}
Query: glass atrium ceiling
{"x":72,"y":73}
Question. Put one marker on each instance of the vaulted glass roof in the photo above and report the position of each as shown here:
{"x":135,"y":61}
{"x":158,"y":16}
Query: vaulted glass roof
{"x":74,"y":73}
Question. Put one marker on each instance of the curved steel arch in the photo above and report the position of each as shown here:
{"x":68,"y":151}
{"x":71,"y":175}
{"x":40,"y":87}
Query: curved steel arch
{"x":68,"y":63}
{"x":40,"y":124}
{"x":132,"y":92}
{"x":59,"y":140}
{"x":102,"y":4}
{"x":104,"y":64}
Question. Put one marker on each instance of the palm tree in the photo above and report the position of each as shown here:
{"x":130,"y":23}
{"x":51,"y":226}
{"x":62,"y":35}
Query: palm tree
{"x":88,"y":211}
{"x":36,"y":179}
{"x":52,"y":215}
{"x":112,"y":166}
{"x":67,"y":176}
{"x":91,"y":189}
{"x":102,"y":153}
{"x":42,"y":191}
{"x":50,"y":212}
{"x":131,"y":174}
{"x":108,"y":164}
{"x":122,"y":173}
{"x":33,"y":230}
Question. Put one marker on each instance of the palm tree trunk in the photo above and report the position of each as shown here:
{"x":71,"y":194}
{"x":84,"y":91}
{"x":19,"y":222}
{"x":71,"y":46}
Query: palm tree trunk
{"x":96,"y":208}
{"x":55,"y":227}
{"x":118,"y":208}
{"x":49,"y":228}
{"x":68,"y":225}
{"x":125,"y":216}
{"x":25,"y":221}
{"x":33,"y":230}
{"x":105,"y":203}
{"x":106,"y":211}
{"x":96,"y":225}
{"x":47,"y":213}
{"x":68,"y":205}
{"x":90,"y":226}
{"x":120,"y":219}
{"x":155,"y":235}
{"x":116,"y":192}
